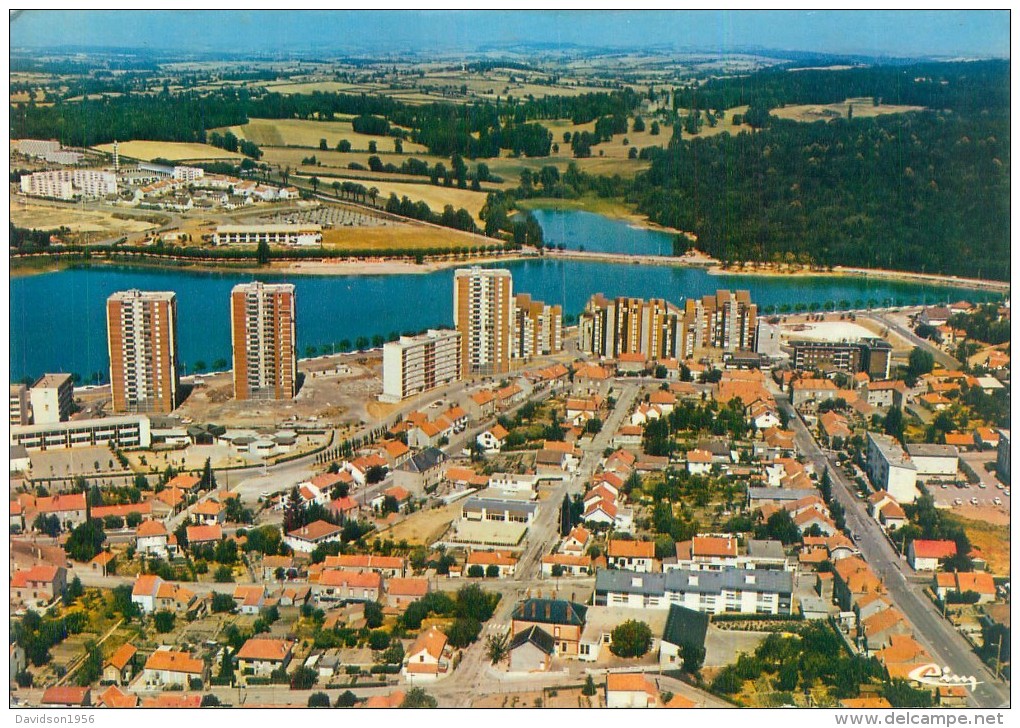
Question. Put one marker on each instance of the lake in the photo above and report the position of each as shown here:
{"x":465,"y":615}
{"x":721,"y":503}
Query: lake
{"x":58,"y":319}
{"x":579,"y":230}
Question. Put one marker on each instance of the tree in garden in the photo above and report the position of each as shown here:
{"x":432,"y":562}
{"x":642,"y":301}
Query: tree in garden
{"x":631,"y":639}
{"x":210,"y":701}
{"x":463,"y":632}
{"x":226,"y":672}
{"x":418,"y":698}
{"x":347,"y":699}
{"x":318,"y":700}
{"x":589,"y":688}
{"x":497,"y":647}
{"x":164,"y":621}
{"x":262,"y":253}
{"x":85,"y":541}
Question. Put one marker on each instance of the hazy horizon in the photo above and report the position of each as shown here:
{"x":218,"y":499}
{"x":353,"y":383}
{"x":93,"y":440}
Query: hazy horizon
{"x":873,"y":33}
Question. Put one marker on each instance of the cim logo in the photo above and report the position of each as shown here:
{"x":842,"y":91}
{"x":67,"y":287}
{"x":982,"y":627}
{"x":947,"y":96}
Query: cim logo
{"x":936,"y":676}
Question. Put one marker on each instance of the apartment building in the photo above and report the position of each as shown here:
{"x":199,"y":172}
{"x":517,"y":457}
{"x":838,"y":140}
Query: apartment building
{"x":67,"y":184}
{"x":142,"y":337}
{"x":871,"y":356}
{"x":19,"y":414}
{"x":305,"y":234}
{"x":651,"y":328}
{"x":263,"y":332}
{"x":727,"y":321}
{"x":483,"y":314}
{"x":52,"y":399}
{"x":891,"y":469}
{"x":745,"y":591}
{"x":123,"y":432}
{"x":416,"y":364}
{"x":537,"y":328}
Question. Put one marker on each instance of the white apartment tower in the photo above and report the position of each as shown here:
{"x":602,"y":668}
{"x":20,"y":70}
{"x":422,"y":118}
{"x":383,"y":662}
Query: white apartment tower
{"x":416,"y":364}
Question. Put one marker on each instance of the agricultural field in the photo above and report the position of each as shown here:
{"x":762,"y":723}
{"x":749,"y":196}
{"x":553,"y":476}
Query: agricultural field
{"x":41,"y":216}
{"x":435,"y":196}
{"x":174,"y":151}
{"x":864,"y":108}
{"x":307,"y":133}
{"x":308,"y":87}
{"x":395,"y":236}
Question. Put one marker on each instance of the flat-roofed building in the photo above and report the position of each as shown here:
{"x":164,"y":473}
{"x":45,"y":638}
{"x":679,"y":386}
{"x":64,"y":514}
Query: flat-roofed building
{"x":937,"y":460}
{"x":891,"y":469}
{"x":19,"y":412}
{"x":870,"y":355}
{"x":537,"y":328}
{"x":52,"y":399}
{"x":416,"y":364}
{"x":67,"y":184}
{"x":269,"y":234}
{"x":142,"y":336}
{"x":263,"y":331}
{"x":123,"y":432}
{"x":483,"y":314}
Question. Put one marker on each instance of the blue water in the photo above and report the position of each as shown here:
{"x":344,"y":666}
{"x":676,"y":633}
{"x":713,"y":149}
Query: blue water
{"x":578,"y":230}
{"x":58,"y":319}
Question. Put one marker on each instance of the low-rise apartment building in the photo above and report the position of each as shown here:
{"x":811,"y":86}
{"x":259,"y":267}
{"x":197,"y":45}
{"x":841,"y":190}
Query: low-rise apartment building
{"x":744,"y":591}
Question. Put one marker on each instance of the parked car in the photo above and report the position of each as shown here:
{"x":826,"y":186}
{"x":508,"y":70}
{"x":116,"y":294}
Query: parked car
{"x":982,"y":486}
{"x":997,"y":501}
{"x":958,"y":502}
{"x":973,"y":501}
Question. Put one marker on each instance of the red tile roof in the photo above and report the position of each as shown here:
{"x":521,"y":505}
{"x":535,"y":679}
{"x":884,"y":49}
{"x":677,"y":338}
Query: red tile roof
{"x":315,"y":531}
{"x":266,"y":650}
{"x":64,"y":695}
{"x":926,"y":549}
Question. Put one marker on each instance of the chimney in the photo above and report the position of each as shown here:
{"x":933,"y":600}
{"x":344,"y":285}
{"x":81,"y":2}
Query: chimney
{"x":692,"y":580}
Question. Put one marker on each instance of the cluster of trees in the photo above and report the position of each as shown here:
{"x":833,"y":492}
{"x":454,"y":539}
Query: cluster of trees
{"x":897,"y":191}
{"x":459,"y":220}
{"x":470,"y":607}
{"x":927,"y":522}
{"x":25,"y":240}
{"x":230,"y":142}
{"x":983,"y":324}
{"x":36,"y":634}
{"x":816,"y":655}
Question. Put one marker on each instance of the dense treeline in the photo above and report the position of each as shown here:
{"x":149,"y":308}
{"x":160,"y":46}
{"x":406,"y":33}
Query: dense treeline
{"x":969,"y":86}
{"x":473,"y":130}
{"x":922,"y":191}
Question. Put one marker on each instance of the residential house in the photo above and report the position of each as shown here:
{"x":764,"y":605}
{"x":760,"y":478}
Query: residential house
{"x":68,"y":507}
{"x":359,"y":467}
{"x":38,"y":585}
{"x":66,"y":696}
{"x":927,"y":555}
{"x":342,"y":585}
{"x":428,"y":658}
{"x":492,"y":439}
{"x":307,"y":538}
{"x":482,"y":404}
{"x":531,"y":650}
{"x":396,"y":453}
{"x":684,"y":628}
{"x":852,"y":579}
{"x":812,"y":390}
{"x":569,"y":565}
{"x":699,"y":462}
{"x":877,"y":630}
{"x":884,"y":394}
{"x":508,"y":396}
{"x":152,"y":594}
{"x":636,"y":556}
{"x":421,"y":472}
{"x":114,"y":697}
{"x":250,"y":599}
{"x":120,"y":667}
{"x":978,"y":582}
{"x":388,"y":566}
{"x":892,"y":516}
{"x":167,"y":667}
{"x":204,"y":535}
{"x":630,"y":690}
{"x":504,"y":561}
{"x":209,"y":512}
{"x":151,"y":538}
{"x":401,"y":592}
{"x":561,"y":619}
{"x":576,"y":542}
{"x":261,"y":657}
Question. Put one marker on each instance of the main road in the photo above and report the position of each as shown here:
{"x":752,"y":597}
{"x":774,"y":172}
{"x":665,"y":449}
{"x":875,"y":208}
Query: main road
{"x":939,"y":637}
{"x":940,"y":356}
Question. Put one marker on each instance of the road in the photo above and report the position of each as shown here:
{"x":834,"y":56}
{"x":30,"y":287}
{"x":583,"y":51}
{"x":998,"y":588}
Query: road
{"x":942,"y":641}
{"x":941,"y":357}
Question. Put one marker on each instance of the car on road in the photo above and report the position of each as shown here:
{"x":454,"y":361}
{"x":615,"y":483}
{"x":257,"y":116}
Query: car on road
{"x":945,"y":486}
{"x":1000,"y":486}
{"x":973,"y":501}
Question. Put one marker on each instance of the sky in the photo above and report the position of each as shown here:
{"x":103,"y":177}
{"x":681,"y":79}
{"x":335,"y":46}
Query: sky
{"x":892,"y":33}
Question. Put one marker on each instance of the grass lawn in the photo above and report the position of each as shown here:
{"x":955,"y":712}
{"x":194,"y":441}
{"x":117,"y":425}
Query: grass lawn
{"x":990,"y":539}
{"x":588,"y":203}
{"x":174,"y":151}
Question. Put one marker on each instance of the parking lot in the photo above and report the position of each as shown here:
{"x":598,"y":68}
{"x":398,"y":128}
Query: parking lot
{"x":976,"y":502}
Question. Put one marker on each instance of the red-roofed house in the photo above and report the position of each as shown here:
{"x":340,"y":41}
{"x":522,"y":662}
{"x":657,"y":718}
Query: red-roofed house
{"x":166,"y":667}
{"x":260,"y":657}
{"x":429,"y":658}
{"x":926,"y":555}
{"x":634,"y":555}
{"x":978,"y":582}
{"x":306,"y":538}
{"x":203,"y":535}
{"x":66,"y":696}
{"x":119,"y":669}
{"x":492,"y":439}
{"x":151,"y":537}
{"x":401,"y":592}
{"x":39,"y":585}
{"x":346,"y":585}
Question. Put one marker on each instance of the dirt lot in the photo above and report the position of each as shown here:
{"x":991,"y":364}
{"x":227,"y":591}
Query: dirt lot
{"x":334,"y":397}
{"x":42,"y":216}
{"x":435,"y":196}
{"x":989,"y":538}
{"x":174,"y":151}
{"x":424,"y":527}
{"x":394,"y":235}
{"x":532,"y":699}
